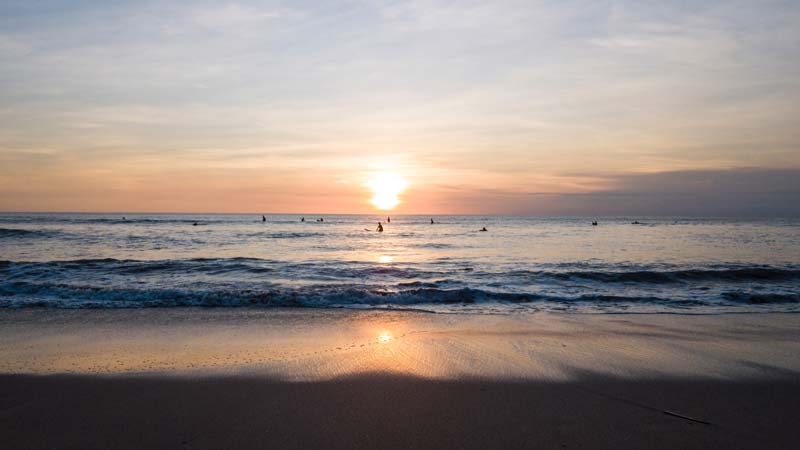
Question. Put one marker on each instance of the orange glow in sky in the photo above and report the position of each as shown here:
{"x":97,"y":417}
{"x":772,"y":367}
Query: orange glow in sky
{"x":434,"y":107}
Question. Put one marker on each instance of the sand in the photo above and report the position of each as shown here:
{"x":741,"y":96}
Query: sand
{"x":220,"y":378}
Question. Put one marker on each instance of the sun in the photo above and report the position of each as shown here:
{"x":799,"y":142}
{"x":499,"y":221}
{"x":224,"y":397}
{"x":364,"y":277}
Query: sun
{"x":386,"y":189}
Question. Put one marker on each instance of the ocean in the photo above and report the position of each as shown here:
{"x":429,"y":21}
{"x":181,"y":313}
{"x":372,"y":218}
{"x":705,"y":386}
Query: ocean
{"x":520,"y":264}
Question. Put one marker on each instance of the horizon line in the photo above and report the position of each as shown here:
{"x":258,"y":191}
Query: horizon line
{"x":404,"y":214}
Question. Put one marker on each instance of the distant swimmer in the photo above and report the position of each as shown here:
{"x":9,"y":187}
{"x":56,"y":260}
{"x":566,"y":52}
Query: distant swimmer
{"x":594,"y":223}
{"x":303,"y":219}
{"x":263,"y":218}
{"x":483,"y":229}
{"x":194,"y":224}
{"x":388,"y":220}
{"x":123,"y":218}
{"x":636,"y":222}
{"x":321,"y":220}
{"x":380,"y":228}
{"x":432,"y":222}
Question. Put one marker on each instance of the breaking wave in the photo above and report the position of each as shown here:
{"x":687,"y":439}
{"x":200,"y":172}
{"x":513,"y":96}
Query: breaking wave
{"x":24,"y":294}
{"x":356,"y":269}
{"x":237,"y":282}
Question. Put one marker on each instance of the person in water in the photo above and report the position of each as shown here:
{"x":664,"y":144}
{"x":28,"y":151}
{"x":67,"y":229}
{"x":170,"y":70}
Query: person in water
{"x":483,"y":229}
{"x":432,"y":222}
{"x":380,"y":228}
{"x":302,"y":219}
{"x":263,"y":218}
{"x":594,"y":223}
{"x":388,"y":220}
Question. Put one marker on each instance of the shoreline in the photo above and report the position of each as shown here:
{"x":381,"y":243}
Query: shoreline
{"x":315,"y":344}
{"x":296,"y":379}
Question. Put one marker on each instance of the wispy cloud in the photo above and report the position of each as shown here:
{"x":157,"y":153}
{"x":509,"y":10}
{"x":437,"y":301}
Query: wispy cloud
{"x":512,"y":96}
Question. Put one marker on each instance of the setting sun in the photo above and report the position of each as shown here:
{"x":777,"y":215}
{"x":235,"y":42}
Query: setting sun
{"x":386,"y":188}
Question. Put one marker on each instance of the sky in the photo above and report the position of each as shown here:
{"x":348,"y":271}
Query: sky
{"x":558,"y":107}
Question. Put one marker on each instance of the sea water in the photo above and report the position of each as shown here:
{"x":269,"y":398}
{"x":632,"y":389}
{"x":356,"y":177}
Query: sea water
{"x":660,"y":264}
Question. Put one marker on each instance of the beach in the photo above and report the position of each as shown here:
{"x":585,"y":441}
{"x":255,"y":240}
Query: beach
{"x":300,"y":378}
{"x":410,"y":225}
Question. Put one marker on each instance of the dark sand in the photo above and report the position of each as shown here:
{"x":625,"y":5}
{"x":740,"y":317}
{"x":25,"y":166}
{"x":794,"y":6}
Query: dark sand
{"x":240,"y":379}
{"x":393,"y":412}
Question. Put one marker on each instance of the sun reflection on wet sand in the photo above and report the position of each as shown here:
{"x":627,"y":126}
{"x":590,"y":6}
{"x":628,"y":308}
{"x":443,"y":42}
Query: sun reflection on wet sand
{"x":302,"y":345}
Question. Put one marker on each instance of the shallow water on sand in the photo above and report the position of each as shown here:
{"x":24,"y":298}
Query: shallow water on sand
{"x":519,"y":264}
{"x":314,"y":344}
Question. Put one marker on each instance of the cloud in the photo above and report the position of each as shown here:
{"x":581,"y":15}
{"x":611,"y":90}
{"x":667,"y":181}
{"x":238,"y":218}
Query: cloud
{"x":231,"y":16}
{"x":496,"y":99}
{"x":735,"y":193}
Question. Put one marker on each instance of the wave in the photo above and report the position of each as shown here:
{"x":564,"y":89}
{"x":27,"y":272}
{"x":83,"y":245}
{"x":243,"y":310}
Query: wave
{"x":115,"y":283}
{"x":318,"y":270}
{"x":434,"y":245}
{"x":737,"y":274}
{"x":104,"y":266}
{"x":64,"y":295}
{"x":280,"y":235}
{"x":351,"y":269}
{"x":21,"y":233}
{"x":762,"y":298}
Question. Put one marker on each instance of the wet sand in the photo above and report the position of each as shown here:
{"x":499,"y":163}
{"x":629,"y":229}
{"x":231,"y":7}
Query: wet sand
{"x":199,"y":378}
{"x":393,"y":412}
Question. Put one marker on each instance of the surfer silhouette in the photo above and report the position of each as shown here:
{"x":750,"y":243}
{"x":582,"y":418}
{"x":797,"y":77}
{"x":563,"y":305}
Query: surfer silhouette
{"x":380,"y":228}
